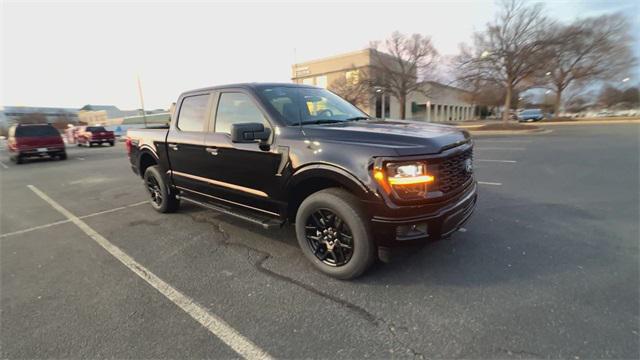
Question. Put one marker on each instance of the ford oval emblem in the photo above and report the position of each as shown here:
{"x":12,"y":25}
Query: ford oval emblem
{"x":468,"y":166}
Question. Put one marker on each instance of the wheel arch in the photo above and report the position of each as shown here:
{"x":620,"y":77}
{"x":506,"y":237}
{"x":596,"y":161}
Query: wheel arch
{"x":147,"y":158}
{"x":317,"y":177}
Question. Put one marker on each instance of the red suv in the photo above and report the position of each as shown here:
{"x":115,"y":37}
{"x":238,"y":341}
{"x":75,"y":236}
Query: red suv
{"x":89,"y":135}
{"x":35,"y":140}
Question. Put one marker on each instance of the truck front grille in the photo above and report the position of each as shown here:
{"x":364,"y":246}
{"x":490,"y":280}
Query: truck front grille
{"x":453,"y":172}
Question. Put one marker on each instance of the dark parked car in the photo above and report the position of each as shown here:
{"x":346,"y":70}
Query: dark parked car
{"x":530,"y":115}
{"x":94,"y":135}
{"x":277,"y":153}
{"x":35,"y":140}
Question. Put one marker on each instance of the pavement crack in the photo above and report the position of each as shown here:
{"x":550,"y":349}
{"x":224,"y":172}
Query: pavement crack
{"x":263,"y":256}
{"x":528,"y":354}
{"x":391,"y":328}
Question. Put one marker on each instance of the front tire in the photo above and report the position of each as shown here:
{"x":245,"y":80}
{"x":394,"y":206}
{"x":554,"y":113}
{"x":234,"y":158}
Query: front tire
{"x":333,"y":233}
{"x":162,"y":198}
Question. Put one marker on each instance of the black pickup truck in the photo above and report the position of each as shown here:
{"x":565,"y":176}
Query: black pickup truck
{"x":277,"y":153}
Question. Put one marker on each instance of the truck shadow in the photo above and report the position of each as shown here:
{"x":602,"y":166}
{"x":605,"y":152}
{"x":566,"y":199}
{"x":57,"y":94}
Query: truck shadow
{"x":516,"y":241}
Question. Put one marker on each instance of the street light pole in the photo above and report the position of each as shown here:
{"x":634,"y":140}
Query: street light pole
{"x":144,"y":113}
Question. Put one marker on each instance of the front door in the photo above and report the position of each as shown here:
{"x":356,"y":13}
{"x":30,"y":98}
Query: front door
{"x":241,"y":172}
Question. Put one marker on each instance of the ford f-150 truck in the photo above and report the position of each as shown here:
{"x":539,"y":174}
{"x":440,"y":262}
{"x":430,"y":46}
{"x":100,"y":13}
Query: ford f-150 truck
{"x":277,"y":153}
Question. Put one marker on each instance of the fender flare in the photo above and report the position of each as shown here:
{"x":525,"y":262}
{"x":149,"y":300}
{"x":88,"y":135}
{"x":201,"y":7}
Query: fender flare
{"x":146,"y":150}
{"x":332,"y":172}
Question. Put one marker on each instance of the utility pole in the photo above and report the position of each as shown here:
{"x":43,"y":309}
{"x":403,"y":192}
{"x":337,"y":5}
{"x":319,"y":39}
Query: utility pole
{"x":144,"y":113}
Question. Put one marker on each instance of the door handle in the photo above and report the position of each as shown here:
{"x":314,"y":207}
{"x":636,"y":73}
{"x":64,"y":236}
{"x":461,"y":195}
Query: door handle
{"x":212,"y":151}
{"x":173,"y":146}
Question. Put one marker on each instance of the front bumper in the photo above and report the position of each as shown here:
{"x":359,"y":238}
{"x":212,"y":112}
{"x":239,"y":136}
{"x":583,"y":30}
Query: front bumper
{"x":431,"y":222}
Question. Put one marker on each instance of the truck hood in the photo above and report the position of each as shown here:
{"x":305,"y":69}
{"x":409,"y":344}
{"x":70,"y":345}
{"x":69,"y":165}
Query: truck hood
{"x":402,"y":136}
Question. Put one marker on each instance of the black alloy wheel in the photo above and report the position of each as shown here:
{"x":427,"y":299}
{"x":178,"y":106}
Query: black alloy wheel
{"x":329,"y":237}
{"x":154,"y":190}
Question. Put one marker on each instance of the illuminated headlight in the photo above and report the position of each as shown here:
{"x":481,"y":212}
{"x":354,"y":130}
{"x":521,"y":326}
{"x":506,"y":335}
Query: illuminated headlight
{"x":407,"y":180}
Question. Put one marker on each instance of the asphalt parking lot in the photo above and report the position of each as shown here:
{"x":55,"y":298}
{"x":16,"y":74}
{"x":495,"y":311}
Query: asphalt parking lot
{"x":546,"y":268}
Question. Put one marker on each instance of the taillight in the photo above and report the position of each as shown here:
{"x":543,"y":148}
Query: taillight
{"x":127,"y":144}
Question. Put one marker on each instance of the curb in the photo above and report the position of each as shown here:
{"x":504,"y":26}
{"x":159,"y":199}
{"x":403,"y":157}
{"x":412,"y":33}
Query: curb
{"x":510,"y":132}
{"x":594,"y":122}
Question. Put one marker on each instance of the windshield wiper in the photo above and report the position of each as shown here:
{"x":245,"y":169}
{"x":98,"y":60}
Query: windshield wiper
{"x":356,"y":118}
{"x":322,"y":121}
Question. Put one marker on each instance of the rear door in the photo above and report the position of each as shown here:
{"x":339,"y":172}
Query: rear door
{"x":240,"y":172}
{"x":185,"y":141}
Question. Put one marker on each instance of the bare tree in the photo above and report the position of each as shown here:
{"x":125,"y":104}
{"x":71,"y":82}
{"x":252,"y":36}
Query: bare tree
{"x":510,"y":52}
{"x":586,"y":50}
{"x":32,"y":118}
{"x":356,"y":89}
{"x":404,"y":66}
{"x":612,"y":97}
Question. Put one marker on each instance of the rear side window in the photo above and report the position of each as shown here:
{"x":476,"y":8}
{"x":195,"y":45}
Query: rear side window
{"x":39,"y":130}
{"x":192,"y":113}
{"x":95,"y":128}
{"x":237,"y":108}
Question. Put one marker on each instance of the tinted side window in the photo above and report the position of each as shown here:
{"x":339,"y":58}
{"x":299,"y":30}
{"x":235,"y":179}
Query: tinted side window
{"x":192,"y":113}
{"x":236,"y":108}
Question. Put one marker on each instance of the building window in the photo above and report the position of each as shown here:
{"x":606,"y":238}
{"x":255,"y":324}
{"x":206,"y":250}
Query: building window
{"x":308,"y":81}
{"x":352,"y":76}
{"x":387,"y":106}
{"x":321,"y":81}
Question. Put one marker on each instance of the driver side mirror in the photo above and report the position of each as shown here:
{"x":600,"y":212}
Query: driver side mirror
{"x":249,"y":132}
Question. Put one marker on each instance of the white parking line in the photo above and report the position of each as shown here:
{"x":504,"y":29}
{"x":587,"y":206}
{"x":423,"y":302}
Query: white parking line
{"x":489,"y":183}
{"x":66,"y":221}
{"x":499,"y":161}
{"x":4,"y":165}
{"x":218,"y":327}
{"x":501,"y":148}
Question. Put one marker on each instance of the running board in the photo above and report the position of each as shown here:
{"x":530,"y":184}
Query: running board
{"x":264,"y":221}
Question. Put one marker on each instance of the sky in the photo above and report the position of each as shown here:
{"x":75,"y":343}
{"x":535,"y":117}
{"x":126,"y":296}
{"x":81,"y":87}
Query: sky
{"x":68,"y":54}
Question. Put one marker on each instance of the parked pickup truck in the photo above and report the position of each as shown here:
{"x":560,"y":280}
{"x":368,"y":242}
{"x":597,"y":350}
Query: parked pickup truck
{"x":277,"y":153}
{"x":98,"y":135}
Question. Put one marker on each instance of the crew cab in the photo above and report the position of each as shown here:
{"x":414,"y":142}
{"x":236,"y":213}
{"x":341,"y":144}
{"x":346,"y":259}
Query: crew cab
{"x":284,"y":153}
{"x":34,"y":140}
{"x":90,"y":135}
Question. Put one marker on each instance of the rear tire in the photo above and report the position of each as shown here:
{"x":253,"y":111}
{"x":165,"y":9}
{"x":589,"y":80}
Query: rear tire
{"x":344,"y":215}
{"x":162,"y":198}
{"x":62,"y":156}
{"x":110,"y":143}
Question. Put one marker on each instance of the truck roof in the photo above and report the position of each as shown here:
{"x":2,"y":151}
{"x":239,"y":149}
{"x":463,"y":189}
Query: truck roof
{"x":251,"y":86}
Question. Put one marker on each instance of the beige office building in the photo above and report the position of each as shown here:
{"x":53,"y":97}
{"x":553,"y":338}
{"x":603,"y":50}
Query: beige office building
{"x":437,"y":102}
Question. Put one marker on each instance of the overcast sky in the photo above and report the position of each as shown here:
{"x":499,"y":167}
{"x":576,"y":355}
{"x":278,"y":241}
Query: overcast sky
{"x":70,"y":54}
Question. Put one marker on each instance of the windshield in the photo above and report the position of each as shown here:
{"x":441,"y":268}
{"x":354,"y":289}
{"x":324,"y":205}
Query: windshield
{"x":95,"y":128}
{"x":530,"y":112}
{"x":309,"y":105}
{"x":36,"y":130}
